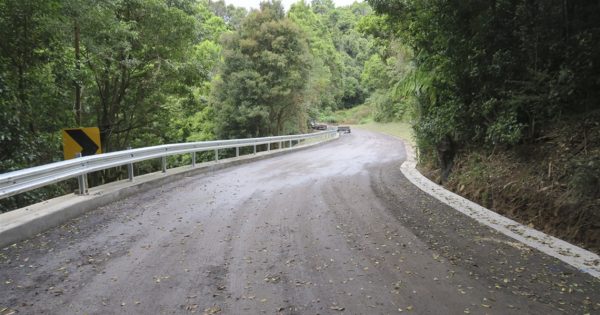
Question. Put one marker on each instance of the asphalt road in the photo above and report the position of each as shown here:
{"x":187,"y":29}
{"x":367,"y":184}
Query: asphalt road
{"x":335,"y":229}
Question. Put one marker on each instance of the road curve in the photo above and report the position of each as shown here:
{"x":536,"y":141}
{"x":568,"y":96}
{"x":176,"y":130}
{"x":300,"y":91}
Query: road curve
{"x":335,"y":229}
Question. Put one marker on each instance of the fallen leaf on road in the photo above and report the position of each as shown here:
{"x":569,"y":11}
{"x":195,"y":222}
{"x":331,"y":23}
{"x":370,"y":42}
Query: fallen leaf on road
{"x":337,"y":308}
{"x":212,"y":310}
{"x":191,"y":307}
{"x":272,"y":279}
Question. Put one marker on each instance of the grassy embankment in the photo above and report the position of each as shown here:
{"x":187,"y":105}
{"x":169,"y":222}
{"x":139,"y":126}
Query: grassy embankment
{"x":361,"y":117}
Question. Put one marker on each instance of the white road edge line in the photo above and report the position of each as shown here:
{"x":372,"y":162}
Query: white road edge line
{"x":581,"y":259}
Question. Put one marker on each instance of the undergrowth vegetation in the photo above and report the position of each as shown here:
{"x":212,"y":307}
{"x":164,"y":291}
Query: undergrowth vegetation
{"x":551,"y":184}
{"x":356,"y":115}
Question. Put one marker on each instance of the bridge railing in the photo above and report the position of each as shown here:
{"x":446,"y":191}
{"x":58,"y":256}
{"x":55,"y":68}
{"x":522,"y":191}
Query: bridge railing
{"x":20,"y":181}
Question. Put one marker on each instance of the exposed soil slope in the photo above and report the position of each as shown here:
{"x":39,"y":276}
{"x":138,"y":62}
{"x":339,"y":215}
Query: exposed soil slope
{"x":552,"y":184}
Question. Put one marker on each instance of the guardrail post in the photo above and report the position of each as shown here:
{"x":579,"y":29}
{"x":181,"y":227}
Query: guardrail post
{"x":237,"y":151}
{"x":164,"y":164}
{"x":255,"y":148}
{"x":217,"y":155}
{"x":269,"y":146}
{"x":130,"y":169}
{"x":290,"y":144}
{"x":81,"y":181}
{"x":280,"y":145}
{"x":193,"y":159}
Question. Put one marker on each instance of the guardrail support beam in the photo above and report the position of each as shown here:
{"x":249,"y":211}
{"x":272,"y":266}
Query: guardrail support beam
{"x":130,"y":172}
{"x":164,"y":164}
{"x":217,"y":155}
{"x":82,"y":181}
{"x":130,"y":169}
{"x":237,"y":151}
{"x":254,"y":148}
{"x":193,"y":159}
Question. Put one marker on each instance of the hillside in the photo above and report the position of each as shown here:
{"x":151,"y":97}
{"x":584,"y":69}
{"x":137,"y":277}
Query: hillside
{"x":552,"y":184}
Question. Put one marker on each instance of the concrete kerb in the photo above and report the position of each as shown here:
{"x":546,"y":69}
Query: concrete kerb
{"x":20,"y":224}
{"x":579,"y":258}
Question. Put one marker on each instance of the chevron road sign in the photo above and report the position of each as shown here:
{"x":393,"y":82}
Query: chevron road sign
{"x":81,"y":140}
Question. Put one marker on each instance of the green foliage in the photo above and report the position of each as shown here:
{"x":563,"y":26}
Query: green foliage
{"x":325,"y":86}
{"x":493,"y":72}
{"x":391,"y":81}
{"x":231,"y":15}
{"x":360,"y":114}
{"x":338,"y":52}
{"x":375,"y":73}
{"x":263,"y":77}
{"x":136,"y":63}
{"x":32,"y":74}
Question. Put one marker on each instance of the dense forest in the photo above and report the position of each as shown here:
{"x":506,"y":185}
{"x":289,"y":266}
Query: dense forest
{"x":502,"y":95}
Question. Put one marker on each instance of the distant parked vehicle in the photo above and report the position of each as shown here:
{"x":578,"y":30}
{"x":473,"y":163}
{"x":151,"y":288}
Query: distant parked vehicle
{"x":343,"y":129}
{"x":317,"y":126}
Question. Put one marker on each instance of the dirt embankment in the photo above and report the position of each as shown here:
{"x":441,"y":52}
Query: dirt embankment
{"x":551,"y":184}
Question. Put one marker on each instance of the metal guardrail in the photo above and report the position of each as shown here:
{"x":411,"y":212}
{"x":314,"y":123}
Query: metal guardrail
{"x":16,"y":182}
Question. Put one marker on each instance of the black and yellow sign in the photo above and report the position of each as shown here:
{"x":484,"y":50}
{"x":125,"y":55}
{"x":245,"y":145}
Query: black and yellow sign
{"x":81,"y":140}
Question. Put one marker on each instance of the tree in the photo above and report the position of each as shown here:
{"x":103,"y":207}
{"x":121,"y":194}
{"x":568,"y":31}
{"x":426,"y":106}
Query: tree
{"x":353,"y":47}
{"x":191,"y":117}
{"x":132,"y":60}
{"x":325,"y":83}
{"x":232,"y":15}
{"x":35,"y":81}
{"x":261,"y":84}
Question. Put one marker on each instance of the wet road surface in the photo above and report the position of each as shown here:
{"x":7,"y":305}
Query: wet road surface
{"x":335,"y":229}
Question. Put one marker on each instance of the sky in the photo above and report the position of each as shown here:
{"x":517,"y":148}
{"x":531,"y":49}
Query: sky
{"x":286,"y":3}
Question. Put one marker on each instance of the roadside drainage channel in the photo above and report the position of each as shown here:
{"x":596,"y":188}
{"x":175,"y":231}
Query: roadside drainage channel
{"x":579,"y":258}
